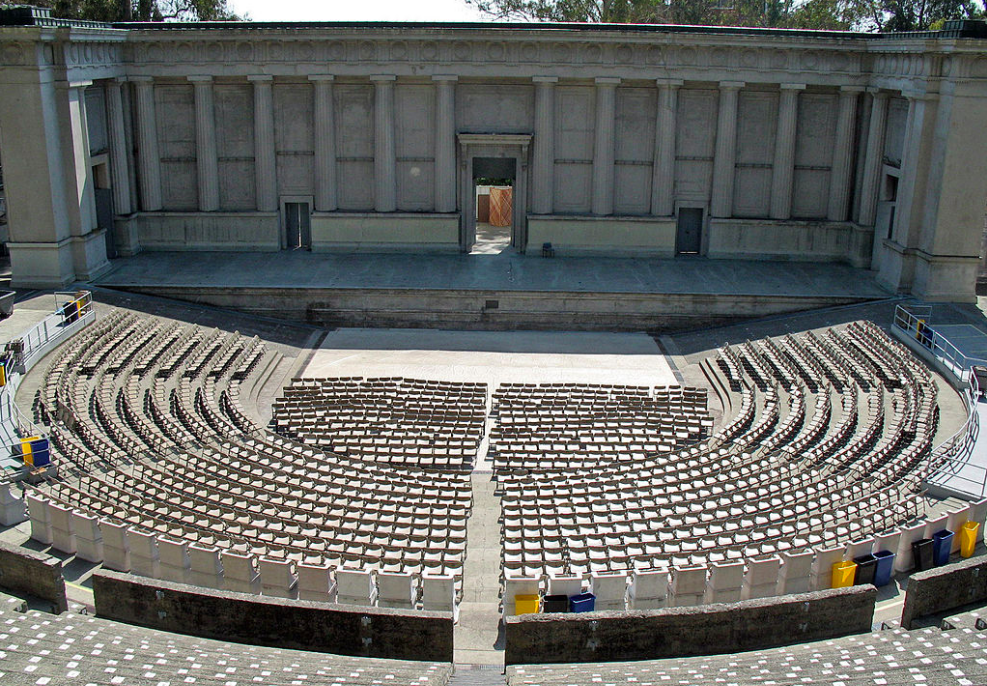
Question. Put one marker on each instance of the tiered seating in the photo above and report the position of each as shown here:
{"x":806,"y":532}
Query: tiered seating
{"x":39,"y":648}
{"x":582,"y":426}
{"x":799,"y":468}
{"x":895,"y":658}
{"x":183,"y":486}
{"x":392,"y":420}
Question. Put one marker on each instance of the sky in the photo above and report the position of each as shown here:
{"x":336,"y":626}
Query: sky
{"x":357,"y":10}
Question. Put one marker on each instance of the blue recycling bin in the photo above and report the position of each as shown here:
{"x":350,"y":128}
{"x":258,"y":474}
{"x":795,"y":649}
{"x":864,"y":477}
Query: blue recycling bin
{"x":942,"y":547}
{"x":582,"y":602}
{"x":884,"y":568}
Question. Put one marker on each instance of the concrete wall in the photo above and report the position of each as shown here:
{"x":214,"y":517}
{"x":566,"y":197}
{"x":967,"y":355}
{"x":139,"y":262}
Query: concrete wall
{"x":602,"y":235}
{"x":810,"y":241}
{"x":33,"y":573}
{"x":207,"y":231}
{"x":681,"y":632}
{"x":294,"y":624}
{"x":944,"y":588}
{"x":399,"y":231}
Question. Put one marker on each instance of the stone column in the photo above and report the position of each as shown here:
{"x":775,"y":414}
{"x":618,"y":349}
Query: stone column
{"x":206,"y":159}
{"x":603,"y":142}
{"x":325,"y":143}
{"x":724,"y":160}
{"x":445,"y":142}
{"x":839,"y":175}
{"x":147,"y":145}
{"x":119,"y":159}
{"x":543,"y":150}
{"x":783,"y":171}
{"x":265,"y":163}
{"x":385,"y":176}
{"x":663,"y":176}
{"x":78,"y":162}
{"x":873,"y":159}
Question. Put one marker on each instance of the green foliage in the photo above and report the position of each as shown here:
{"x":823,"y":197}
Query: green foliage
{"x":135,"y":10}
{"x":842,"y":15}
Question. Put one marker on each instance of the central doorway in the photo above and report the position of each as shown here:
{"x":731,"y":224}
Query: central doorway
{"x":493,"y":181}
{"x":490,"y":161}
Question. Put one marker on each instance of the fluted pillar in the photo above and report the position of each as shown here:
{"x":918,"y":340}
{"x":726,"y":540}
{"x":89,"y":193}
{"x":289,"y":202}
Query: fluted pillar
{"x":724,"y":160}
{"x":325,"y":144}
{"x":603,"y":143}
{"x":265,"y":162}
{"x":119,"y":159}
{"x":385,"y":177}
{"x":148,"y":157}
{"x":839,"y":175}
{"x":783,"y":170}
{"x":663,"y":176}
{"x":873,"y":158}
{"x":445,"y":143}
{"x":543,"y":146}
{"x":206,"y":159}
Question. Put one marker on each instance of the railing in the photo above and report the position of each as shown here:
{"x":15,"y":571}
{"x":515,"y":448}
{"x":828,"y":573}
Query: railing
{"x":70,"y":308}
{"x":951,"y":460}
{"x":915,"y":321}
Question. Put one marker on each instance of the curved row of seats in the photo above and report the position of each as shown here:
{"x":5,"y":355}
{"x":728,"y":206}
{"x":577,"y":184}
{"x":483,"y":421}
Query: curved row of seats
{"x":39,"y":648}
{"x":153,"y":444}
{"x":799,"y":467}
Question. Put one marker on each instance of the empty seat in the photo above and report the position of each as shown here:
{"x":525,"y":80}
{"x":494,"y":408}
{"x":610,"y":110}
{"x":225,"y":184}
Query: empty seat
{"x":12,"y":508}
{"x":62,"y":528}
{"x":762,"y":578}
{"x":39,"y":511}
{"x":88,"y":537}
{"x":240,"y":573}
{"x":648,"y":590}
{"x":277,"y":578}
{"x":397,"y":590}
{"x":315,"y":583}
{"x":116,"y":546}
{"x":439,"y":594}
{"x":205,"y":567}
{"x":144,"y":557}
{"x":174,"y":563}
{"x":355,"y":587}
{"x":610,"y":591}
{"x":796,"y":572}
{"x":725,"y":582}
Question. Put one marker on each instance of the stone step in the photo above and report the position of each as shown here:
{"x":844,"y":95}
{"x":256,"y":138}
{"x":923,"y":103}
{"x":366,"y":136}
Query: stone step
{"x":477,"y":675}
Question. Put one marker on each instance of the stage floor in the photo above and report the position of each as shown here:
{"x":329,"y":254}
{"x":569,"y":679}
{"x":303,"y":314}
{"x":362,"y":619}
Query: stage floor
{"x":503,"y":272}
{"x":493,"y":357}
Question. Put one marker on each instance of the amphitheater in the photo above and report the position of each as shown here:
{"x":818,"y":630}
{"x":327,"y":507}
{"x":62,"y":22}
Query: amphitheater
{"x":284,"y":406}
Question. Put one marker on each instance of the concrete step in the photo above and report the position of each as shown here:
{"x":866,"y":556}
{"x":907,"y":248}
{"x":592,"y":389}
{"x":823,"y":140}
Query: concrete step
{"x":477,"y":675}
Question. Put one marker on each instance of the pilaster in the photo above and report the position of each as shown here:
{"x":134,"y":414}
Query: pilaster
{"x":543,"y":146}
{"x":724,"y":160}
{"x":119,"y":159}
{"x":325,"y":143}
{"x":147,"y":145}
{"x":663,"y":176}
{"x":839,"y":175}
{"x":603,"y":145}
{"x":783,"y":170}
{"x":206,"y":157}
{"x":265,"y":163}
{"x":873,"y":159}
{"x":445,"y":142}
{"x":385,"y":177}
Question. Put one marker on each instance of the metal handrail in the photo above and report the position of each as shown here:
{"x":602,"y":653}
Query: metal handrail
{"x":32,"y":341}
{"x":915,"y":321}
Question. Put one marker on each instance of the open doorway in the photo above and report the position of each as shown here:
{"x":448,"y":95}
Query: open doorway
{"x":297,"y":226}
{"x":493,"y":188}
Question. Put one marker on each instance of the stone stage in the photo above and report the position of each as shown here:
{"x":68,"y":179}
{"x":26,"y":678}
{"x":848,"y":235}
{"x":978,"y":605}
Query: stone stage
{"x":505,"y":291}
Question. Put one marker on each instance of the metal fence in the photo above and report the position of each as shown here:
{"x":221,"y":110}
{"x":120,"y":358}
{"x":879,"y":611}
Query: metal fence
{"x":73,"y":310}
{"x":915,"y":321}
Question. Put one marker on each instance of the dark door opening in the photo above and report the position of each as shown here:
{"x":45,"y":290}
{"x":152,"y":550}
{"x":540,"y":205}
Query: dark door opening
{"x":689,"y":231}
{"x":493,"y":190}
{"x":103,"y":196}
{"x":297,"y":226}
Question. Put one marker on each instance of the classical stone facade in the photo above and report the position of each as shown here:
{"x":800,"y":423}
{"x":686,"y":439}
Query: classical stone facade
{"x":730,"y":143}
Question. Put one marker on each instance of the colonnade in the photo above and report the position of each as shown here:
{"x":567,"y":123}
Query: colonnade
{"x":543,"y":147}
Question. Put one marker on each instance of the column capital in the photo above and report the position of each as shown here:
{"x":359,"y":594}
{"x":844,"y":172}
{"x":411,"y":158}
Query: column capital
{"x":260,"y":78}
{"x":321,"y":77}
{"x":877,"y":93}
{"x":82,"y":84}
{"x":119,"y":80}
{"x":141,"y":80}
{"x":549,"y":80}
{"x":792,"y":86}
{"x":732,"y":85}
{"x":383,"y":78}
{"x":612,"y":81}
{"x":199,"y":79}
{"x":452,"y":78}
{"x":852,"y":89}
{"x":669,"y":83}
{"x":915,"y":94}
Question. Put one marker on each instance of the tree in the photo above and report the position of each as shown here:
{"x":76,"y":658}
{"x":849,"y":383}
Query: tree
{"x":136,"y":10}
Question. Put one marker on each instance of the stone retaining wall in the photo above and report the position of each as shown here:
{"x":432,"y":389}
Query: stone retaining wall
{"x":26,"y":571}
{"x":944,"y":588}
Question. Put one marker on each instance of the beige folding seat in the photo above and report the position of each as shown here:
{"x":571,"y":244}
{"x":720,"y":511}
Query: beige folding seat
{"x":355,"y":587}
{"x":62,"y":528}
{"x":315,"y":582}
{"x":205,"y":566}
{"x":821,"y":576}
{"x":144,"y":557}
{"x":240,"y":573}
{"x":610,"y":591}
{"x":174,"y":560}
{"x":762,"y":578}
{"x":397,"y":590}
{"x":648,"y":590}
{"x":277,"y":578}
{"x":12,"y":508}
{"x":515,"y":586}
{"x":116,"y":546}
{"x":88,"y":537}
{"x":904,"y":560}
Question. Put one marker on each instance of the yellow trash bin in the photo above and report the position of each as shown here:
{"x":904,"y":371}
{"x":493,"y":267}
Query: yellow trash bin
{"x":968,"y":538}
{"x":526,"y":604}
{"x":843,"y":573}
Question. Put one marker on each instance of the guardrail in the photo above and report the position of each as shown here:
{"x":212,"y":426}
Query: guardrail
{"x":73,"y":310}
{"x":950,"y":461}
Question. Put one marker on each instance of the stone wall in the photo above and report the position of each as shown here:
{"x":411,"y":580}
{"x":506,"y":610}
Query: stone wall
{"x":944,"y":588}
{"x":259,"y":620}
{"x":33,"y":573}
{"x":681,"y":632}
